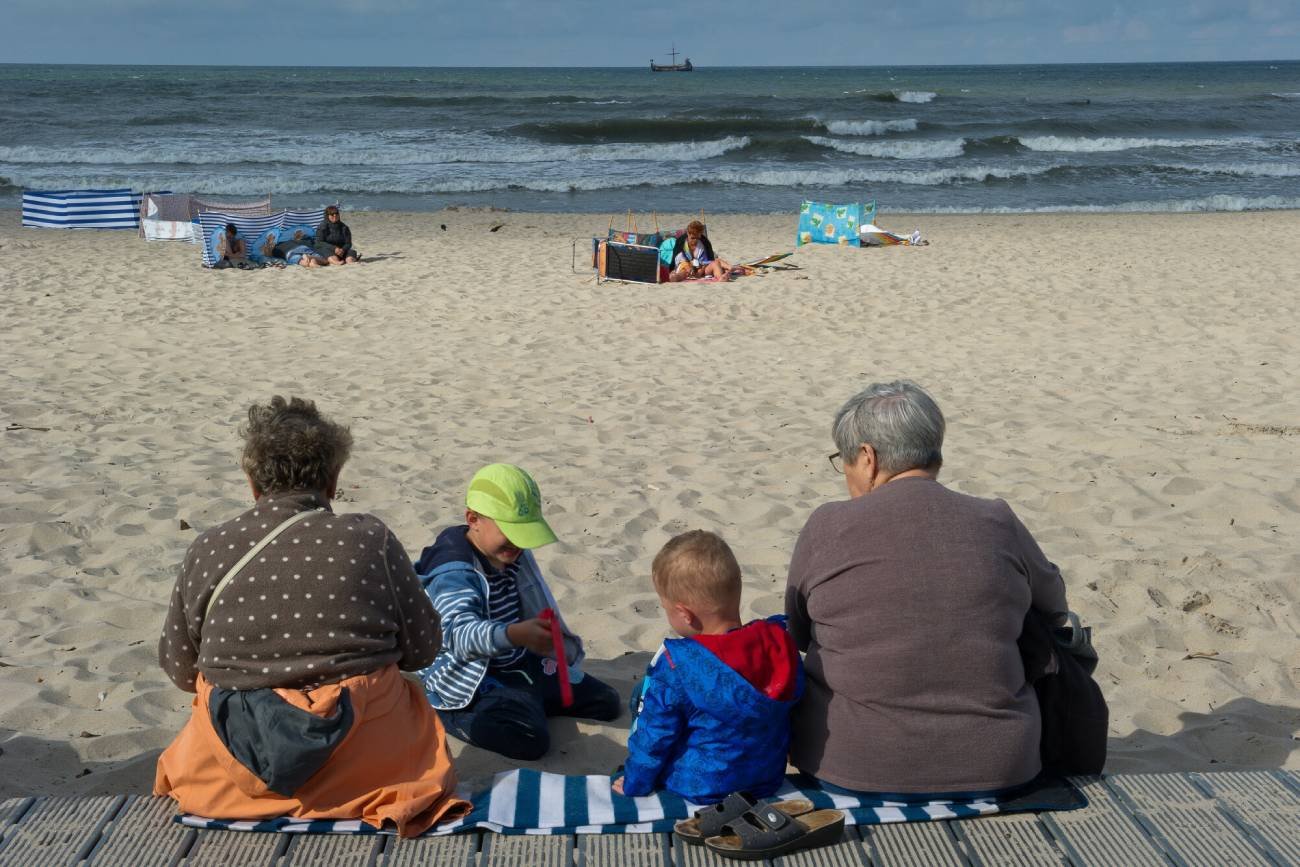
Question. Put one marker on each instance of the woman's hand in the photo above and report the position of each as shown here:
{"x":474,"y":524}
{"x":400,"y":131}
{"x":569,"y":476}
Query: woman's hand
{"x":617,"y":786}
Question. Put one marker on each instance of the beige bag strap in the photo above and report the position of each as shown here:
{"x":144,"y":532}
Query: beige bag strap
{"x":253,"y":552}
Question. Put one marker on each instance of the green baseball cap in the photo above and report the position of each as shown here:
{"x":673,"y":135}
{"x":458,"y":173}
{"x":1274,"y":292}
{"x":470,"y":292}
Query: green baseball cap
{"x":509,"y":496}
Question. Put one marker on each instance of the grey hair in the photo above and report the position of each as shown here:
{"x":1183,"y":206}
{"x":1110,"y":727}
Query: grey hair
{"x":290,"y":446}
{"x":897,"y":419}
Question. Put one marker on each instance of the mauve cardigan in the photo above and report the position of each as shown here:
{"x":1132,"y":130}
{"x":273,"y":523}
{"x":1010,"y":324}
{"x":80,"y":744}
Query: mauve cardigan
{"x":908,"y":602}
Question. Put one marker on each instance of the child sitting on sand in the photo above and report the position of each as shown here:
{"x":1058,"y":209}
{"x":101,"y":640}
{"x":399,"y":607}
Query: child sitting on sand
{"x":496,"y":679}
{"x":714,"y":708}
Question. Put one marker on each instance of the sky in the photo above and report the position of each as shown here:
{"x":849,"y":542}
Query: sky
{"x":589,"y":33}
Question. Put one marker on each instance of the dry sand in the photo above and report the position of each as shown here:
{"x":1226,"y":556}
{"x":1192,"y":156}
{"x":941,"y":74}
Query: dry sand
{"x":1128,"y":383}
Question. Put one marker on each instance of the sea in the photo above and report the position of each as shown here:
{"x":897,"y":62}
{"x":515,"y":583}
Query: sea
{"x":937,"y":139}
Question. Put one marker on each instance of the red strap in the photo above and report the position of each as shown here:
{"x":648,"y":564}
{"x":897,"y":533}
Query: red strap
{"x":561,"y":661}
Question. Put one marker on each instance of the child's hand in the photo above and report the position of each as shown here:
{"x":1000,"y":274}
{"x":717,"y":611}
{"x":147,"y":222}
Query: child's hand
{"x":533,"y":634}
{"x":617,"y":785}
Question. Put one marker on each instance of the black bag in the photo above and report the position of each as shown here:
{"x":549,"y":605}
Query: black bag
{"x":1059,"y":662}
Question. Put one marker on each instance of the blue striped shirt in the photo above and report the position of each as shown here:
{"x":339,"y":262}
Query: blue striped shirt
{"x":503,"y":607}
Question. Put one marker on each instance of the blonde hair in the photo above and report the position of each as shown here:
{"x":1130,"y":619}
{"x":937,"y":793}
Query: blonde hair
{"x":697,"y":568}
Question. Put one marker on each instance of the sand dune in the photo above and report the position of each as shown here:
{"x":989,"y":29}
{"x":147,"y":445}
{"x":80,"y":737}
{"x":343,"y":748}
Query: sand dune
{"x":1127,"y":383}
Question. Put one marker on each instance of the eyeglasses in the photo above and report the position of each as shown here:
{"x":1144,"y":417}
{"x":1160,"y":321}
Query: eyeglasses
{"x":837,"y":462}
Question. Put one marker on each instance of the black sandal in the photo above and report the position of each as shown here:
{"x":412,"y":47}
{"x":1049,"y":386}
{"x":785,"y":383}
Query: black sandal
{"x":710,"y":821}
{"x":767,"y":833}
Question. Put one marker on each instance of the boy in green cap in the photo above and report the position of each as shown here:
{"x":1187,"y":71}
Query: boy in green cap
{"x":495,"y":680}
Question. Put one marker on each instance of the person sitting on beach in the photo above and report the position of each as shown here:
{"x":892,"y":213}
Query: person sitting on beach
{"x":714,"y":708}
{"x":232,"y":250}
{"x":496,"y":679}
{"x":693,"y":256}
{"x":291,"y":624}
{"x":334,"y":239}
{"x":908,"y":599}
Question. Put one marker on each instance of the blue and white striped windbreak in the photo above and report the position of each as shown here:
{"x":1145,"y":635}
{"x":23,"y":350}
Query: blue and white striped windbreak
{"x":81,"y":209}
{"x":251,"y":227}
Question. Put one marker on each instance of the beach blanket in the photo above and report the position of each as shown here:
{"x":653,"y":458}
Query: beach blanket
{"x":532,"y":802}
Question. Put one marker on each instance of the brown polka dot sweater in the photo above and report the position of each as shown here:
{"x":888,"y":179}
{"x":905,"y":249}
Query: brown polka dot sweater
{"x":331,"y":597}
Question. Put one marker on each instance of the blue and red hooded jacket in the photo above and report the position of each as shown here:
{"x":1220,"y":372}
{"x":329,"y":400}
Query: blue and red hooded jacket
{"x":714,"y":715}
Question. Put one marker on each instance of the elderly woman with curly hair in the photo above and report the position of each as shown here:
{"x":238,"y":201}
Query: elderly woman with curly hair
{"x":291,"y":625}
{"x":909,"y":599}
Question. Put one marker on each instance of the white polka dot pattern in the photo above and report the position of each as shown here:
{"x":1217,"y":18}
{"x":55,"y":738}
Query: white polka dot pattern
{"x":373,"y":622}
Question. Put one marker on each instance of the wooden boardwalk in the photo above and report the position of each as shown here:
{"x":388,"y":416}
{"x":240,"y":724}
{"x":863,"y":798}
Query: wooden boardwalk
{"x":1198,"y":820}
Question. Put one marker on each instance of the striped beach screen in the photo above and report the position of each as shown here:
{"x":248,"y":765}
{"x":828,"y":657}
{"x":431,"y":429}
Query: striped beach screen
{"x":252,"y":226}
{"x":81,"y":209}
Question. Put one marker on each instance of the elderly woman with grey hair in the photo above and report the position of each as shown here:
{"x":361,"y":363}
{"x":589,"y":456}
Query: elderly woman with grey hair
{"x":908,"y":599}
{"x":290,"y":624}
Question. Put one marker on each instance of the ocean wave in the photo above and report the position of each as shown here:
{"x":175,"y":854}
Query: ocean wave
{"x":366,"y":151}
{"x":869,"y":127}
{"x":1106,"y":144}
{"x":1285,"y":95}
{"x":835,"y":178}
{"x":898,"y":149}
{"x":657,"y":129}
{"x":1241,"y":170}
{"x":913,"y":96}
{"x":1203,"y":204}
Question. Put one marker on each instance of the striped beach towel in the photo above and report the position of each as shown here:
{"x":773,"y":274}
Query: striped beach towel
{"x":81,"y":209}
{"x":532,"y":802}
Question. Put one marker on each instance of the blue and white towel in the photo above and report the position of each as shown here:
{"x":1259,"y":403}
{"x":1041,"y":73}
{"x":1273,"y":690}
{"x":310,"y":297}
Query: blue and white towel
{"x":533,"y":802}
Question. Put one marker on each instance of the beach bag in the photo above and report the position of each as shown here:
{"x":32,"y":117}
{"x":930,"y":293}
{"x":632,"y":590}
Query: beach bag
{"x":1059,"y":662}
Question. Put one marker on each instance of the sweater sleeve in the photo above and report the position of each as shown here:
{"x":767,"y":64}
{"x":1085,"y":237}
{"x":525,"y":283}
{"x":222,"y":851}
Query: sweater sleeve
{"x":178,"y":648}
{"x":656,"y":733}
{"x":798,"y":622}
{"x":418,"y":636}
{"x":1046,"y":587}
{"x":467,"y":633}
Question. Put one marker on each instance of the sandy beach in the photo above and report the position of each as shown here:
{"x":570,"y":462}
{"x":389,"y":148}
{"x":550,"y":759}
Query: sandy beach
{"x":1128,"y":383}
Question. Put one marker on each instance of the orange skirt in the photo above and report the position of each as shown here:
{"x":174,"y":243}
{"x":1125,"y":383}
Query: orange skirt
{"x":392,"y":766}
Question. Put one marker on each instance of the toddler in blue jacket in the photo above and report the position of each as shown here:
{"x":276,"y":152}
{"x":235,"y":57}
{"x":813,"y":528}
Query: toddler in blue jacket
{"x":714,"y":708}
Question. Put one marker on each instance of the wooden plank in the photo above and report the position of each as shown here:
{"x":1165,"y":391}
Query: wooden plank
{"x":1188,"y":825}
{"x":454,"y":850}
{"x":848,"y":852}
{"x":686,"y":855}
{"x":1104,"y":833}
{"x":616,"y":850}
{"x":527,"y":850}
{"x":1016,"y":839}
{"x":227,"y":848}
{"x":58,"y":830}
{"x":1262,"y":803}
{"x":143,"y":835}
{"x":910,"y":843}
{"x":327,"y":850}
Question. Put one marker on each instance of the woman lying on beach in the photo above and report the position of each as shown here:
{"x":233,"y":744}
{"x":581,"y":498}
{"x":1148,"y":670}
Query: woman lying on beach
{"x":298,"y":250}
{"x":291,"y":625}
{"x":909,"y":599}
{"x":693,"y":256}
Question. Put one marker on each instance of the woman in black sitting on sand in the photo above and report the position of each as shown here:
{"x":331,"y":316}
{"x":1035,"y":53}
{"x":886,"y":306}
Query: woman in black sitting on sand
{"x":334,"y":239}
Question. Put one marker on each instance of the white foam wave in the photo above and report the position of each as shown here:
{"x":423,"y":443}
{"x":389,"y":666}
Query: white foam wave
{"x":917,"y":96}
{"x":1176,"y":206}
{"x":904,"y":149}
{"x":1104,"y":144}
{"x":366,"y":152}
{"x":870,"y":127}
{"x":1286,"y":95}
{"x":1241,"y":170}
{"x":831,"y":178}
